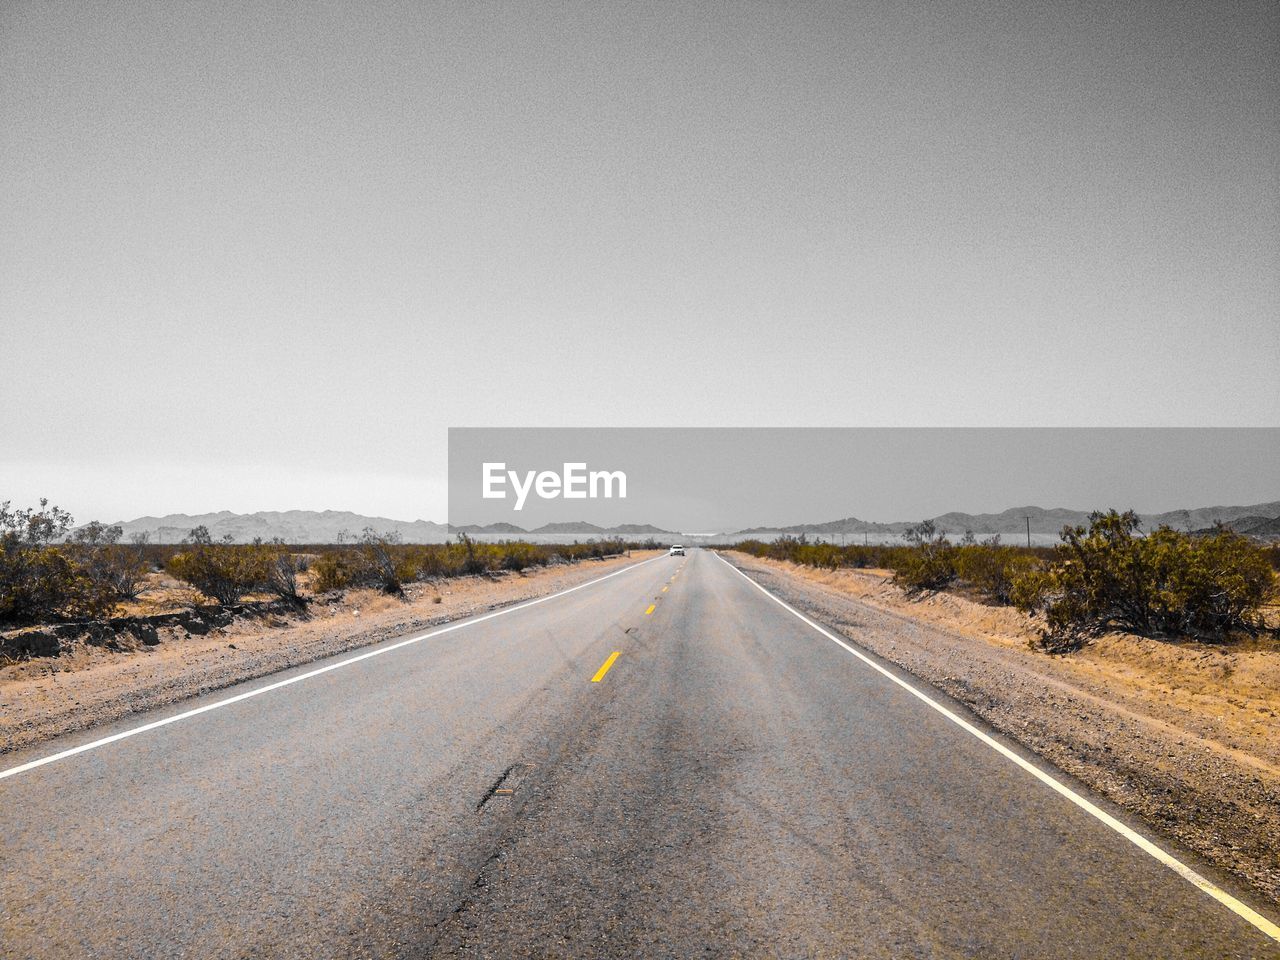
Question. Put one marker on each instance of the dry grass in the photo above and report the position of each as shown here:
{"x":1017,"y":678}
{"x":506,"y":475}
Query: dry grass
{"x":160,"y":593}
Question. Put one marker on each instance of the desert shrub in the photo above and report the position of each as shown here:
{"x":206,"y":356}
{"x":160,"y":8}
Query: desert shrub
{"x":860,"y":557}
{"x":826,"y":555}
{"x":992,"y":568}
{"x":282,"y":568}
{"x":373,"y":560}
{"x":473,"y":559}
{"x":222,"y":571}
{"x":930,"y":568}
{"x":518,"y":556}
{"x":595,"y":549}
{"x":1272,"y":553}
{"x":929,"y":563}
{"x":1212,"y":584}
{"x":382,"y":564}
{"x":895,"y":557}
{"x":39,"y":578}
{"x":332,"y":571}
{"x":1164,"y":583}
{"x":377,"y":560}
{"x":434,"y":563}
{"x":820,"y":553}
{"x":1030,"y":590}
{"x":115,"y":570}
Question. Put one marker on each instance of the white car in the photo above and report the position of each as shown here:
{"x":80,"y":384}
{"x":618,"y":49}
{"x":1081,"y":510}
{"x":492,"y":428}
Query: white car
{"x":676,"y":550}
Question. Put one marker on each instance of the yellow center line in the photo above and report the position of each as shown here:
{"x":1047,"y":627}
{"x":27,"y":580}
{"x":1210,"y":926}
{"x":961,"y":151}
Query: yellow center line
{"x":607,"y":664}
{"x":650,"y":610}
{"x":665,"y":589}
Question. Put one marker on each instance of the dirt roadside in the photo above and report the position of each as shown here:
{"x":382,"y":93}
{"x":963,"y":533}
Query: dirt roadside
{"x":1183,"y":735}
{"x":90,"y":683}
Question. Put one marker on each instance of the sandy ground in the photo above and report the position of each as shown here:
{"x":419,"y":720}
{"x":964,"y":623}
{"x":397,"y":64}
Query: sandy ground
{"x":1184,"y":735}
{"x":92,"y":684}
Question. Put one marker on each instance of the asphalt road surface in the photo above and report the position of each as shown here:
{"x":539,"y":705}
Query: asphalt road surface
{"x":733,"y":784}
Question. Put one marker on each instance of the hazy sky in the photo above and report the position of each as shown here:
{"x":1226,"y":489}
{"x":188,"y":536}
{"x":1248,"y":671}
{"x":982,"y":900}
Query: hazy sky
{"x":261,"y":256}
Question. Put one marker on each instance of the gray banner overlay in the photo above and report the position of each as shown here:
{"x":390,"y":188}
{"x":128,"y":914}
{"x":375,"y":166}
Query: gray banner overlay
{"x":725,"y":480}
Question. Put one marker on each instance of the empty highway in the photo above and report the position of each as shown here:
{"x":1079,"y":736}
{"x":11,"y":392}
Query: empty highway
{"x":665,"y":762}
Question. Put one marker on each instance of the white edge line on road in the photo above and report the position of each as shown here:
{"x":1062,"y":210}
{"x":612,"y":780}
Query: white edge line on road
{"x":1173,"y":863}
{"x":186,"y":715}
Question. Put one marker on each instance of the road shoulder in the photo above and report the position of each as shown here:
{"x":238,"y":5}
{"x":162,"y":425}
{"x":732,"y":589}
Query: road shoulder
{"x":90,"y":684}
{"x":1209,"y":786}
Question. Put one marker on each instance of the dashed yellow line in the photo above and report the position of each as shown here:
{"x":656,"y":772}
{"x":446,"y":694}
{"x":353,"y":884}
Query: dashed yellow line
{"x":607,"y":664}
{"x":665,"y":589}
{"x":650,"y":610}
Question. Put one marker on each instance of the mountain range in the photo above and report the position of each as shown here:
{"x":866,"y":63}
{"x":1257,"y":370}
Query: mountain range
{"x":578,"y":528}
{"x":333,"y":526}
{"x":1043,"y":521}
{"x":1265,"y":528}
{"x":1260,"y":520}
{"x":291,"y":526}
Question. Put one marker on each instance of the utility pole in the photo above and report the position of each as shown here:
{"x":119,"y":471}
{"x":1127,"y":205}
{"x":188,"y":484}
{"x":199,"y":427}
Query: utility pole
{"x":1028,"y":519}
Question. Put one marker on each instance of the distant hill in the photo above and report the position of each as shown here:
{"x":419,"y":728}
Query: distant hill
{"x":637,"y":530}
{"x":1267,"y":528}
{"x":329,"y":526}
{"x":291,"y":526}
{"x":847,"y":525}
{"x":1260,"y":520}
{"x":509,"y":528}
{"x":1043,"y":521}
{"x":572,"y":528}
{"x":577,"y":529}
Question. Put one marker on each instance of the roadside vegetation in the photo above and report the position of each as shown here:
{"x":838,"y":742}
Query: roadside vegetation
{"x":1109,"y":576}
{"x":384,"y":563}
{"x":51,"y":571}
{"x":42,"y":577}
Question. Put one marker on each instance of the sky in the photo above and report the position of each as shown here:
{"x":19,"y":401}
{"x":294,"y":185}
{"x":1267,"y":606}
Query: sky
{"x":263,"y":255}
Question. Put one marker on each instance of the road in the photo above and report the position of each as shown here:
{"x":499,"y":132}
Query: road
{"x":733,"y":783}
